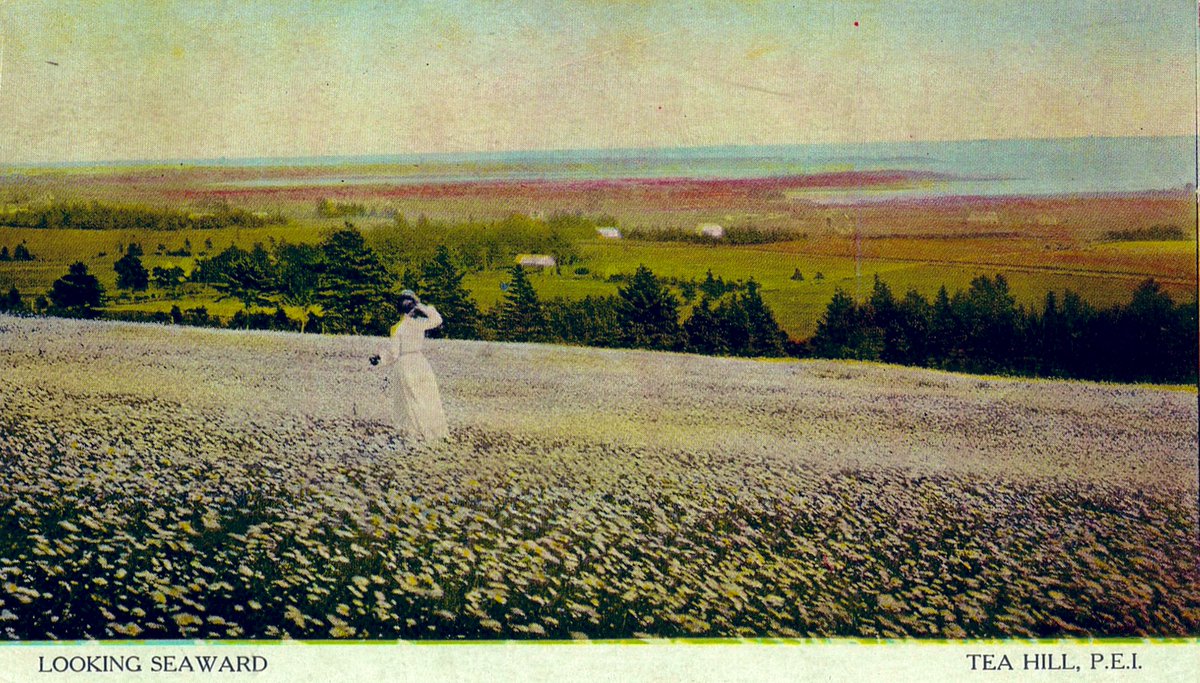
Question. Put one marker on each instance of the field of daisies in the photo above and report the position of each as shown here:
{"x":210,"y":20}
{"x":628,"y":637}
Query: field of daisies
{"x":160,"y":482}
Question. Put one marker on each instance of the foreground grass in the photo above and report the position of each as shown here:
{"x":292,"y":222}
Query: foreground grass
{"x":175,"y":482}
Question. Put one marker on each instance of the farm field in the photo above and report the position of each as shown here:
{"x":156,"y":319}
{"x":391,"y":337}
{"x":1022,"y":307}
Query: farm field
{"x":1042,"y":244}
{"x":178,"y":482}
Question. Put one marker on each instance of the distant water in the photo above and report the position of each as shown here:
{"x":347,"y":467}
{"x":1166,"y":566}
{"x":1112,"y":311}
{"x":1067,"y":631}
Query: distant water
{"x":982,"y":167}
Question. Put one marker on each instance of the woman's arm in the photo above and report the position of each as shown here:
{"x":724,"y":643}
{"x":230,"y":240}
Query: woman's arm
{"x":432,"y":317}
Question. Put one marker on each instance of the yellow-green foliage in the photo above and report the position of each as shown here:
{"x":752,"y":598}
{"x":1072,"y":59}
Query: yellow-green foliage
{"x":798,"y":305}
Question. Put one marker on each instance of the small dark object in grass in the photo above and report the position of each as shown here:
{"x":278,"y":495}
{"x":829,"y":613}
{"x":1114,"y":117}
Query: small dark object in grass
{"x":374,"y":360}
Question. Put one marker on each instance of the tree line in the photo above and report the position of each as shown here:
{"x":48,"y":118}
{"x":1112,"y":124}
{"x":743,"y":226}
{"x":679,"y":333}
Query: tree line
{"x":983,"y":330}
{"x":346,"y":281}
{"x":344,"y":287}
{"x":1154,"y":233}
{"x":99,"y":216}
{"x":733,"y":234}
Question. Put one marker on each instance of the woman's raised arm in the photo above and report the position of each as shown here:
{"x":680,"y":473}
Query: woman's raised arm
{"x":432,"y":317}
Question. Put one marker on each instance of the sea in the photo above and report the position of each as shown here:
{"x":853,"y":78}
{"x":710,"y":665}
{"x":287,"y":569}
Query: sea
{"x":1023,"y":167}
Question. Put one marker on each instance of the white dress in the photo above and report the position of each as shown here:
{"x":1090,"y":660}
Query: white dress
{"x":418,"y":410}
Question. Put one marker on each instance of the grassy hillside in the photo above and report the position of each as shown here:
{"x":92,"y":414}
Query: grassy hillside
{"x":166,"y":482}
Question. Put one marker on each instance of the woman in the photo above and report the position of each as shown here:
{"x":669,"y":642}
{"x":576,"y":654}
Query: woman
{"x":419,"y":411}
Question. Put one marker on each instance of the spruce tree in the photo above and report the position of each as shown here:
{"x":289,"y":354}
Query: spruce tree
{"x":843,"y":331}
{"x":649,"y":313}
{"x":131,"y":274}
{"x":353,"y":285}
{"x":520,"y":317}
{"x":764,"y":336}
{"x":440,"y":284}
{"x":943,"y":330}
{"x":916,"y":316}
{"x":885,"y":316}
{"x":703,"y":332}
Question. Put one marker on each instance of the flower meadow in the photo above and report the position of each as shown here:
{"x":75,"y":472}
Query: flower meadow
{"x":161,"y":482}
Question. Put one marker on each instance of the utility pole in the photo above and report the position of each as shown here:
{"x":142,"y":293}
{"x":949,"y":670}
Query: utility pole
{"x":857,"y":255}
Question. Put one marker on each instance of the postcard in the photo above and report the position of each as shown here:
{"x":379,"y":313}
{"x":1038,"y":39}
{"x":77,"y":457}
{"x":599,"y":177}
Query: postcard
{"x":598,"y":340}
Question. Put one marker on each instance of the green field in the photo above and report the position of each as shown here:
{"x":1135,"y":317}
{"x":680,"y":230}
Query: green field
{"x":797,"y":304}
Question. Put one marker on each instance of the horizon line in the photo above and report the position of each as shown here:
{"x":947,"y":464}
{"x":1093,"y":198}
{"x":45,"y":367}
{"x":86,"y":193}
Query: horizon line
{"x":201,"y":162}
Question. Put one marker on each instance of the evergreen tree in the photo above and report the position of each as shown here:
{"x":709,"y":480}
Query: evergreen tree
{"x":354,"y":286}
{"x":845,"y":332}
{"x":713,"y":287}
{"x":247,"y":280}
{"x":176,"y":315}
{"x":520,"y":316}
{"x":297,"y":268}
{"x":280,"y":320}
{"x":21,"y":253}
{"x":916,"y":321}
{"x":991,"y":328}
{"x":884,"y":314}
{"x":1145,"y":331}
{"x":1054,"y":339}
{"x":4,"y":256}
{"x":590,"y":321}
{"x":733,"y":326}
{"x":703,"y":330}
{"x":78,"y":292}
{"x":131,"y":274}
{"x":943,"y":330}
{"x":313,"y":323}
{"x":649,"y":312}
{"x":764,"y":336}
{"x":440,"y":283}
{"x":239,"y":320}
{"x":11,"y":302}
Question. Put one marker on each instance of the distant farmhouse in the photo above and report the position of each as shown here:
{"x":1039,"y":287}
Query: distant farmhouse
{"x":710,"y":230}
{"x":609,"y":233}
{"x":536,"y":261}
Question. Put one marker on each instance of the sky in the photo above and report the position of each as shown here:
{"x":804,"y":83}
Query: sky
{"x":93,"y":80}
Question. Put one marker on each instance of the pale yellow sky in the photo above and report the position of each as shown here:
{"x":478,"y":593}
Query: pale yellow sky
{"x":160,"y":80}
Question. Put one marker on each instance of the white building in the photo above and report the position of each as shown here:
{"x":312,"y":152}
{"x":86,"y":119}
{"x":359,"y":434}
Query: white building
{"x":536,"y":261}
{"x":710,"y":230}
{"x":609,"y":233}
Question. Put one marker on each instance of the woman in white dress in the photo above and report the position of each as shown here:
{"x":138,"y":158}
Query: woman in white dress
{"x":418,"y":410}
